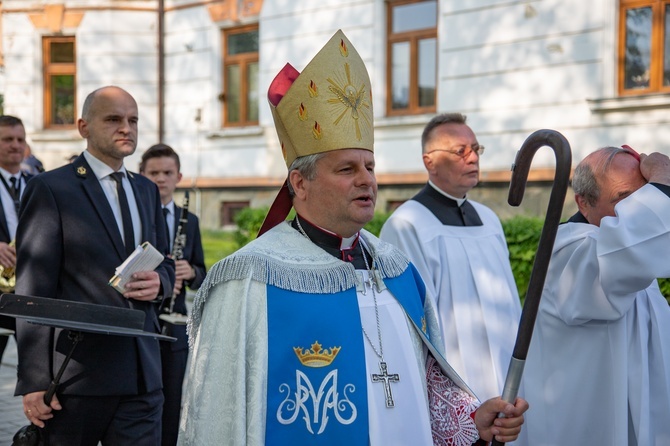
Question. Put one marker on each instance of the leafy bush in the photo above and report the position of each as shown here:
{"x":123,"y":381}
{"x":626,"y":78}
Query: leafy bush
{"x":522,"y":234}
{"x":664,"y":284}
{"x":249,"y":222}
{"x":217,"y":245}
{"x":375,"y":225}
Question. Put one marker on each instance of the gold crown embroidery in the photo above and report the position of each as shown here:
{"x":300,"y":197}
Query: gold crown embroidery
{"x":81,"y":170}
{"x":316,"y":356}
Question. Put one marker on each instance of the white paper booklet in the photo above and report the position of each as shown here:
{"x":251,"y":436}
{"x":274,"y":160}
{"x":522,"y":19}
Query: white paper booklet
{"x":144,"y":258}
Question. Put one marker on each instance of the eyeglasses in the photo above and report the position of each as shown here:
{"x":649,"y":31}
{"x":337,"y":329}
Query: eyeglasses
{"x":463,"y":152}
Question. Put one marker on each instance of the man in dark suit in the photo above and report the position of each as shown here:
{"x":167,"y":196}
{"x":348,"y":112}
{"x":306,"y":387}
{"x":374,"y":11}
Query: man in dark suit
{"x":77,"y":224}
{"x":160,"y":163}
{"x":12,"y":149}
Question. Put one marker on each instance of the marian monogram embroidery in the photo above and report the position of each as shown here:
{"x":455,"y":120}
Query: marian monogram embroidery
{"x":316,"y":406}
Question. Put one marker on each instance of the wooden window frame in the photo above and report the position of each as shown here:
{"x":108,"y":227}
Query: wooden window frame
{"x":54,"y":69}
{"x":227,"y":209}
{"x":2,"y":53}
{"x":243,"y":60}
{"x":657,"y":41}
{"x":413,"y":37}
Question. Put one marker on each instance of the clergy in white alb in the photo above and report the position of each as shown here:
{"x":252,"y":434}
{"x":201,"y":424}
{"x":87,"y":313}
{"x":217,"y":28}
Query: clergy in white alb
{"x":459,"y":248}
{"x":239,"y":390}
{"x":317,"y":332}
{"x":598,"y":368}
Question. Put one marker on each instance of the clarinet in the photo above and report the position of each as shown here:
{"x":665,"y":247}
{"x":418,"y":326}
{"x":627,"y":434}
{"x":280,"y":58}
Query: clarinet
{"x":178,"y":254}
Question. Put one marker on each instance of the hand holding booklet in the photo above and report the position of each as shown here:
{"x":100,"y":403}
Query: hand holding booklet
{"x":144,"y":258}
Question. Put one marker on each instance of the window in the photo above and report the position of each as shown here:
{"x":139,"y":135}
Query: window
{"x":644,"y":46}
{"x":240,"y":74}
{"x":229,"y":210}
{"x":2,"y":55}
{"x":412,"y":57}
{"x":60,"y":70}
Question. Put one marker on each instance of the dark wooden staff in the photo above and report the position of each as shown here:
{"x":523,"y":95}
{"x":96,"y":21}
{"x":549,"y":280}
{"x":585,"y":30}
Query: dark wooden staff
{"x":517,"y":186}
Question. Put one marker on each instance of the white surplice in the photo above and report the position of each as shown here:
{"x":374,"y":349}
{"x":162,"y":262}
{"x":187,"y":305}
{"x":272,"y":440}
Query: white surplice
{"x":466,"y":270}
{"x":226,"y":393}
{"x":598,"y":369}
{"x":390,"y":426}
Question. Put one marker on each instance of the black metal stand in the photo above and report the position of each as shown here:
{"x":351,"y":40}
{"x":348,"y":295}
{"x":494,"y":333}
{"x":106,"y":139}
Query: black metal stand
{"x":31,"y":435}
{"x":78,"y":318}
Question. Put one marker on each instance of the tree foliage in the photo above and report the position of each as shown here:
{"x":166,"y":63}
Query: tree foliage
{"x":249,"y":222}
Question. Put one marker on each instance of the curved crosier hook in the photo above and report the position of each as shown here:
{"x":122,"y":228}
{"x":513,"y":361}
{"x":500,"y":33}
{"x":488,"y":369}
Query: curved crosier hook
{"x":517,"y":187}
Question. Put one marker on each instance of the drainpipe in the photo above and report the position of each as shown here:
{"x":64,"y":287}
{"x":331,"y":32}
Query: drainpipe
{"x":161,"y":69}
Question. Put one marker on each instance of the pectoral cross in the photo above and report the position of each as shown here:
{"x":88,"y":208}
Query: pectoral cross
{"x":364,"y":284}
{"x":387,"y":379}
{"x":369,"y":283}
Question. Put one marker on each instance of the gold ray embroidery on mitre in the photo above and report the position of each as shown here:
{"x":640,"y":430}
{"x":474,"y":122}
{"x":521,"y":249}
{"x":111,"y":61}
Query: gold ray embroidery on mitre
{"x":316,"y":356}
{"x":351,"y":99}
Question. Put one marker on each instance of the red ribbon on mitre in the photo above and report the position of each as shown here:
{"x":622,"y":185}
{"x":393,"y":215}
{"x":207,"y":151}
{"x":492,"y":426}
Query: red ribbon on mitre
{"x":283,"y":203}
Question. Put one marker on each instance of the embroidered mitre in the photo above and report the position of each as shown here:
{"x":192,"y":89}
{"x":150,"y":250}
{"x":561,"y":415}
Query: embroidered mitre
{"x":326,"y":107}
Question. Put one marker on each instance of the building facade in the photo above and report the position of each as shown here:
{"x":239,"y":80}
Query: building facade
{"x":598,"y":72}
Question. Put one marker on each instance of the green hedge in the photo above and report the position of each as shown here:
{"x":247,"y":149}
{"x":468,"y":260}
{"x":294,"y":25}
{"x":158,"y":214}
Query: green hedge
{"x":523,"y":236}
{"x":522,"y":233}
{"x":249,"y":221}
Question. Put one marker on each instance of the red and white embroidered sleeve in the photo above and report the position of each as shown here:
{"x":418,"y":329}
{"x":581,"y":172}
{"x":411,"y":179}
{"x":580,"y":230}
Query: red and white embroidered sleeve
{"x":450,"y":409}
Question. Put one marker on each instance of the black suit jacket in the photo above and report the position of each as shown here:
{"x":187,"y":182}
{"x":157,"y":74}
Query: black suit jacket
{"x":4,"y":229}
{"x":69,"y":246}
{"x":6,"y":321}
{"x":194,"y":255}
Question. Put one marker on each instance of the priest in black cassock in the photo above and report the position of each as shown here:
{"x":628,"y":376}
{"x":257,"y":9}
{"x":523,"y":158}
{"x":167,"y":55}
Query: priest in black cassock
{"x":459,"y":248}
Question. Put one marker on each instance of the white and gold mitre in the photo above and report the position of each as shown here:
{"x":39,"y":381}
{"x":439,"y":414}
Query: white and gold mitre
{"x":326,"y":107}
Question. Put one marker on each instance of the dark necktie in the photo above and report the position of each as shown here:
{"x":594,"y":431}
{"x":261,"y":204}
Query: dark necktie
{"x":166,"y":214}
{"x":128,"y":233}
{"x":15,"y":191}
